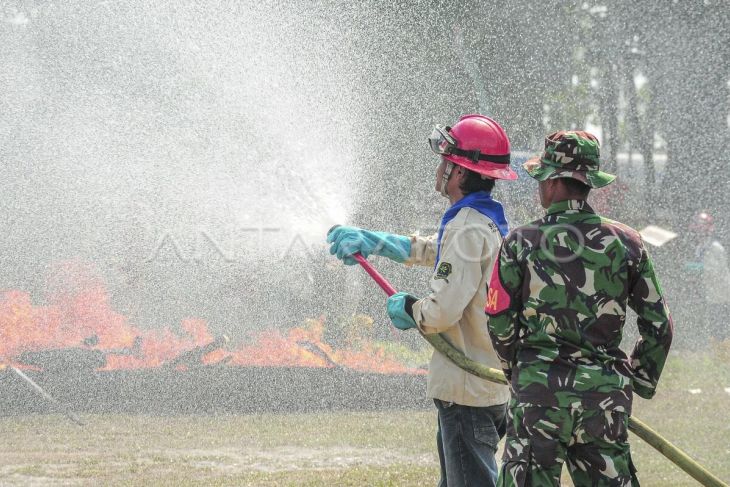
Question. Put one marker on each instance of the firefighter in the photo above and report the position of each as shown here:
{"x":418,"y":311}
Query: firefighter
{"x":557,"y":303}
{"x":471,"y":411}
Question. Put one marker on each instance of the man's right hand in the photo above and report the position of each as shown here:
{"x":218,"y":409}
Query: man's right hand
{"x":347,"y":241}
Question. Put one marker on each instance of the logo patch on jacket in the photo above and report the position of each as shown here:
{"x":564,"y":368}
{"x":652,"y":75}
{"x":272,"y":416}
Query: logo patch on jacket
{"x":443,"y":270}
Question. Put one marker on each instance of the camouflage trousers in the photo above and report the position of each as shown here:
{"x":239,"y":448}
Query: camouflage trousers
{"x":592,"y":442}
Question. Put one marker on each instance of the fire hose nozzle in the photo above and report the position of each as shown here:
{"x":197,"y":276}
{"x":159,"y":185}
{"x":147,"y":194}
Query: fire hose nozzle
{"x":377,"y":277}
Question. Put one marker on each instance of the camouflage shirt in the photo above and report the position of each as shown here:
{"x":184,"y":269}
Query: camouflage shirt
{"x":557,"y":306}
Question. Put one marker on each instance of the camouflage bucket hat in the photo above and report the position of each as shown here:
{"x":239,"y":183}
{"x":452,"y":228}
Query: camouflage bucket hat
{"x":570,"y":154}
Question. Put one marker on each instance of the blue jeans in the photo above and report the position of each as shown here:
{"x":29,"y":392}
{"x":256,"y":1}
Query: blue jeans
{"x":467,"y":441}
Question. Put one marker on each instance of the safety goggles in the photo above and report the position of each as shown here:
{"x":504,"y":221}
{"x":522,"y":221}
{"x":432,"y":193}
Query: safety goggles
{"x":443,"y":144}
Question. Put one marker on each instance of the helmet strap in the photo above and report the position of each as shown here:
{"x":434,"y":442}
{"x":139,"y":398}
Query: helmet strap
{"x":445,"y":179}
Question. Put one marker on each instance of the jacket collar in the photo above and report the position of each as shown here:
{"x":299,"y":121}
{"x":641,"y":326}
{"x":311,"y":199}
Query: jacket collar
{"x":570,"y":206}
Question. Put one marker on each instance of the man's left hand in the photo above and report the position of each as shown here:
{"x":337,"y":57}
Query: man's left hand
{"x":400,"y":310}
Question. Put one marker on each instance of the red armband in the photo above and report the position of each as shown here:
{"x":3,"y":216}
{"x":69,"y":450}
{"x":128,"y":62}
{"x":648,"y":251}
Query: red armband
{"x":498,"y":299}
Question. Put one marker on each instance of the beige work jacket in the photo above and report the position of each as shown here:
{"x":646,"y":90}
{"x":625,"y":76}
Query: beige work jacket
{"x":455,"y":307}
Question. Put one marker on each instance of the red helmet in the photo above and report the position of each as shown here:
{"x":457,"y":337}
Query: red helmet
{"x":703,"y":222}
{"x":477,"y":143}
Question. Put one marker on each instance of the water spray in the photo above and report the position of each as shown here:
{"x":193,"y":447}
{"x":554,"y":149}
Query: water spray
{"x":639,"y":428}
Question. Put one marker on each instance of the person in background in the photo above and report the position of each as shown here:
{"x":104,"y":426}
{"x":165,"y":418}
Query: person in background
{"x":709,"y":268}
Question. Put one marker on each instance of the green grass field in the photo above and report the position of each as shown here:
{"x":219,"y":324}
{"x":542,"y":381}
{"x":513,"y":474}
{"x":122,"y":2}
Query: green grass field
{"x":382,"y":448}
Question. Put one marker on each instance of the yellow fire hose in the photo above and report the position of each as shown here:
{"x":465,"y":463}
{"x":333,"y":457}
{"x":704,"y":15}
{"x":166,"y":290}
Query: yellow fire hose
{"x":661,"y":444}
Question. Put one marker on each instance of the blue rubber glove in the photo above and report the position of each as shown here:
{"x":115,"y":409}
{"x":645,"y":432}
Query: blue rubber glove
{"x":350,"y":240}
{"x":400,"y":309}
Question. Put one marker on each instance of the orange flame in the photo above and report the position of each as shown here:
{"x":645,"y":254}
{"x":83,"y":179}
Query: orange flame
{"x":74,"y":316}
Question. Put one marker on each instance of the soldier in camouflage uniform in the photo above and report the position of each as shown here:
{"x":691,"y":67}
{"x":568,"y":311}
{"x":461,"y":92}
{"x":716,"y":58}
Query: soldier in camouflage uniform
{"x":557,"y":306}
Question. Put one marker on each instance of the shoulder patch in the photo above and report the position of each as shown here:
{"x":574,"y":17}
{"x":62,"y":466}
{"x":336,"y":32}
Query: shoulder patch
{"x":443,"y":271}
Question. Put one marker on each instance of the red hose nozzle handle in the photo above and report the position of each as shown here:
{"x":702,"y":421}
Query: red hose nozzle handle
{"x":377,"y":277}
